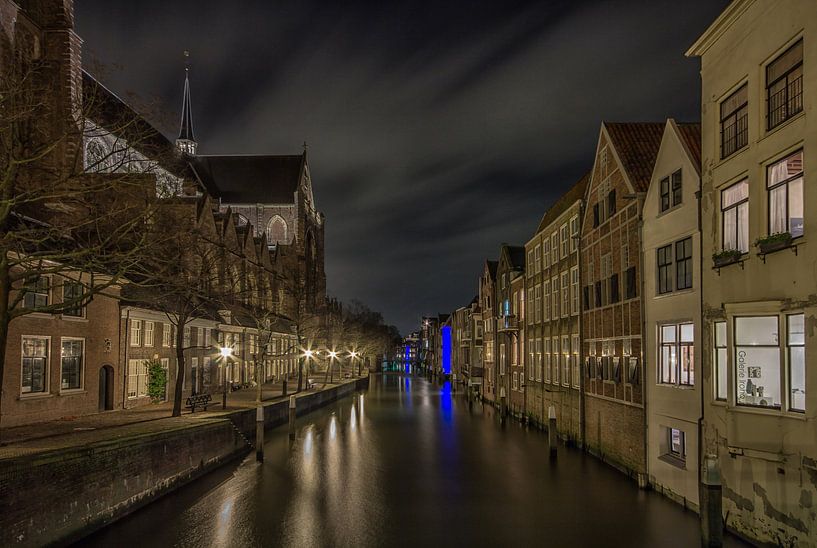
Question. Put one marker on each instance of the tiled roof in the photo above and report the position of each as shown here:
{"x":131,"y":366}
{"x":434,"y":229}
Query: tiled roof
{"x":691,"y":138}
{"x":567,"y":199}
{"x":249,"y":179}
{"x":637,"y":145}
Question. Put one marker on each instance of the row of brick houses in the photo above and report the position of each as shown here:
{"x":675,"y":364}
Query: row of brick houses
{"x":664,"y":306}
{"x":257,"y":214}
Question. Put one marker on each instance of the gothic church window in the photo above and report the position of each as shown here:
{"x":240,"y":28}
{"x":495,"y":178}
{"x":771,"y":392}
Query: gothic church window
{"x":277,"y":230}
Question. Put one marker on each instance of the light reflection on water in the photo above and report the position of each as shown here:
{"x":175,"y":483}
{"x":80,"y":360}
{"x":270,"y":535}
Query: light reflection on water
{"x":377,"y":470}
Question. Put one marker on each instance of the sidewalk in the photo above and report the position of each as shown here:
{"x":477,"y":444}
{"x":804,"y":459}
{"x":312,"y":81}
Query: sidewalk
{"x":149,"y":418}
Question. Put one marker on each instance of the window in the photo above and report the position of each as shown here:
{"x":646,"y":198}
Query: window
{"x":683,"y":264}
{"x":720,"y":361}
{"x":149,"y":331}
{"x":565,"y":294}
{"x":563,"y":238}
{"x":611,"y":203}
{"x":546,"y":258}
{"x":664,"y":197}
{"x":735,"y":121}
{"x":677,"y":361}
{"x":784,"y":181}
{"x":531,"y":359}
{"x":72,"y":293}
{"x":757,"y":361}
{"x":538,"y":258}
{"x":502,"y":358}
{"x":554,"y":349}
{"x":515,"y":381}
{"x":631,"y":289}
{"x":670,"y":191}
{"x":554,"y":288}
{"x":137,"y":378}
{"x":574,"y":233}
{"x":565,"y":359}
{"x":784,"y":86}
{"x":606,"y":273}
{"x":554,"y":247}
{"x":539,"y":360}
{"x":735,"y":214}
{"x":538,"y":303}
{"x":796,"y":354}
{"x":574,"y":359}
{"x":71,"y":362}
{"x":676,"y":443}
{"x":534,"y":311}
{"x":166,"y":338}
{"x":36,"y":293}
{"x":664,"y":269}
{"x":35,"y":365}
{"x":614,"y":288}
{"x":546,"y":349}
{"x":574,"y":290}
{"x":546,"y":300}
{"x":186,"y":336}
{"x":136,"y":332}
{"x":677,"y":188}
{"x":529,"y":266}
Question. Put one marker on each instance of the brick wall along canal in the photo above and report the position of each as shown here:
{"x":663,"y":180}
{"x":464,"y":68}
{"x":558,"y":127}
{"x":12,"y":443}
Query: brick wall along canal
{"x":407,"y":463}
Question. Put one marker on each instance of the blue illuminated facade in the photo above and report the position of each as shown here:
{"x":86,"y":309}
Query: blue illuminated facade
{"x":446,"y":349}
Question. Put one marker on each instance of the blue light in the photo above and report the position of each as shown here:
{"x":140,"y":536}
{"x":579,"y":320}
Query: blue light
{"x":408,"y":357}
{"x":446,"y":349}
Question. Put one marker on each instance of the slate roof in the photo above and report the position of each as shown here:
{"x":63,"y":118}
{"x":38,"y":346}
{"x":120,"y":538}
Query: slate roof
{"x":691,"y":138}
{"x":567,"y":199}
{"x":637,"y":145}
{"x":492,"y":266}
{"x":250,"y":179}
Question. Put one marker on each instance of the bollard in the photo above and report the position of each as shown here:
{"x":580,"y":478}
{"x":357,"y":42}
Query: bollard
{"x":552,"y":431}
{"x":711,"y":503}
{"x":453,"y":382}
{"x":292,"y":417}
{"x":284,"y":393}
{"x":259,"y":434}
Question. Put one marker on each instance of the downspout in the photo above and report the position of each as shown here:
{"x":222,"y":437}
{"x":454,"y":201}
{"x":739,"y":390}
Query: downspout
{"x":701,"y":320}
{"x":126,"y":345}
{"x":582,"y":411}
{"x":641,"y":198}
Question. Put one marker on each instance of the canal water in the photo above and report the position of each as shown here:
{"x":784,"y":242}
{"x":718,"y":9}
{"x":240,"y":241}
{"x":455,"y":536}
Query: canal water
{"x":408,"y":463}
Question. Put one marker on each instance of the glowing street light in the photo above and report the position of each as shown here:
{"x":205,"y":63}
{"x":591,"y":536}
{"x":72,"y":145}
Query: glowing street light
{"x":308,"y":354}
{"x":333,"y":354}
{"x":226,"y":352}
{"x":353,"y":354}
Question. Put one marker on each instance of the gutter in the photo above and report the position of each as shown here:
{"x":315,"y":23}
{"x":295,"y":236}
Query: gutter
{"x":698,"y":196}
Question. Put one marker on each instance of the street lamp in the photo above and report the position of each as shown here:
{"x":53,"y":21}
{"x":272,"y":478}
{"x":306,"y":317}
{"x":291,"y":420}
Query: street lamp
{"x":353,"y":354}
{"x":226,"y":353}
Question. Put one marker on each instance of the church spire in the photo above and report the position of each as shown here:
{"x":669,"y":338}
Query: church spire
{"x":186,"y":142}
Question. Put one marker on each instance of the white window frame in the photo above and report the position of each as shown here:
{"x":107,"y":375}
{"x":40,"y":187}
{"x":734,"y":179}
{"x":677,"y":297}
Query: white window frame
{"x":82,"y":365}
{"x":149,"y":333}
{"x":135,"y":332}
{"x":47,"y":367}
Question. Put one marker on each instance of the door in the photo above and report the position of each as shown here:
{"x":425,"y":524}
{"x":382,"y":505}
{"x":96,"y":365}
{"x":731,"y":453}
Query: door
{"x":106,"y":385}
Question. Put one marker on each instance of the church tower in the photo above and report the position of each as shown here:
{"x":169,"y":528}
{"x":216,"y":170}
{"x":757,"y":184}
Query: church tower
{"x":186,"y":143}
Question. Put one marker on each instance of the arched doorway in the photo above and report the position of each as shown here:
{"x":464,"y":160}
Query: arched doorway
{"x":106,"y":388}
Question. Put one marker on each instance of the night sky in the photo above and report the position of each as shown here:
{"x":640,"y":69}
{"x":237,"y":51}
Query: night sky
{"x":436,"y":130}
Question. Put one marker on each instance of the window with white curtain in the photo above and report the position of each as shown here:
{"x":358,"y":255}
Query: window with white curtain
{"x":784,"y":182}
{"x":735,"y":216}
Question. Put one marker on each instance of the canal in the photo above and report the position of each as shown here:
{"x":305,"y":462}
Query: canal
{"x":409,"y":464}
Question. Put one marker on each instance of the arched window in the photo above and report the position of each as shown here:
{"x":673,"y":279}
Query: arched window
{"x":242,"y":220}
{"x":96,"y":155}
{"x":277,"y":230}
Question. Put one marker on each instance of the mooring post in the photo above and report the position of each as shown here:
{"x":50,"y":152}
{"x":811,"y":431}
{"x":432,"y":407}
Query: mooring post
{"x":453,"y":382}
{"x":292,"y":417}
{"x":552,"y":431}
{"x":711,"y":503}
{"x":259,"y":433}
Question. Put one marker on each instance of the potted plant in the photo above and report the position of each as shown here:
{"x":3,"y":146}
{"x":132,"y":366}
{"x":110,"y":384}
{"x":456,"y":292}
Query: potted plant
{"x":726,"y":257}
{"x":157,"y":381}
{"x":774,"y":242}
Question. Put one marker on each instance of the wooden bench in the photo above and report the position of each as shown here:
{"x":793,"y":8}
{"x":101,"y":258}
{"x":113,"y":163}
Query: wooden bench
{"x":198,"y":400}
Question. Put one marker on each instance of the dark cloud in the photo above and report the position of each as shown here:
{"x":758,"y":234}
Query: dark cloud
{"x":437,"y":130}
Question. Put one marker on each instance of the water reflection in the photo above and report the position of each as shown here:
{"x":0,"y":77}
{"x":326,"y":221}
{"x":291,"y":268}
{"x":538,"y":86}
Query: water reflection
{"x":377,"y":470}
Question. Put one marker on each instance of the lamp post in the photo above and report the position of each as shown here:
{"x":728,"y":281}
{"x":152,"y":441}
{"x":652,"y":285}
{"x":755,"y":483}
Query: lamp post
{"x":332,"y":355}
{"x":226,"y":353}
{"x":353,"y":355}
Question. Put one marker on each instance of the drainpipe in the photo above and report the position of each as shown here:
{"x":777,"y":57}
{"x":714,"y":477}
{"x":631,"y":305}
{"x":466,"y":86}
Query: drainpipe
{"x":699,"y":377}
{"x":125,"y":368}
{"x":643,"y":481}
{"x":582,"y":412}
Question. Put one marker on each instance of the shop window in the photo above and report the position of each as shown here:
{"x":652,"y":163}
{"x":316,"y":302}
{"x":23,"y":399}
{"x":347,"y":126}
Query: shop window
{"x":757,"y":361}
{"x":796,"y":343}
{"x":720,"y":361}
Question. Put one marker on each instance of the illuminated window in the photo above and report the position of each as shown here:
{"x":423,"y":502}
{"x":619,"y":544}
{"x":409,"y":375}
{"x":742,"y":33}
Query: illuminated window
{"x":676,"y":361}
{"x":735,"y":217}
{"x":757,"y":361}
{"x":784,"y":182}
{"x":720,"y":361}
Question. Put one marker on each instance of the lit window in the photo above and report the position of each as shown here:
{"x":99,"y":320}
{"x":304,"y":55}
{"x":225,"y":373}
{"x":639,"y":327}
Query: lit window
{"x":34,"y":365}
{"x":785,"y":185}
{"x":71,"y":361}
{"x":757,"y":361}
{"x":676,"y":360}
{"x":676,"y":443}
{"x":575,"y":359}
{"x":796,"y":341}
{"x":554,"y":350}
{"x":136,"y":332}
{"x":166,"y":335}
{"x":735,"y":214}
{"x":720,"y":361}
{"x":574,"y":290}
{"x":149,"y":333}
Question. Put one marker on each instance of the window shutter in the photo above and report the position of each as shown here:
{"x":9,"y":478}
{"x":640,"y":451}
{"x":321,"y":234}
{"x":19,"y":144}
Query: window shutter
{"x":614,"y":293}
{"x":596,"y":215}
{"x":611,"y":203}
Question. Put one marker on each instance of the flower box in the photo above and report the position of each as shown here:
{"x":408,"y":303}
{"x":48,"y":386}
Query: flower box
{"x":774,"y":242}
{"x":725,"y":258}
